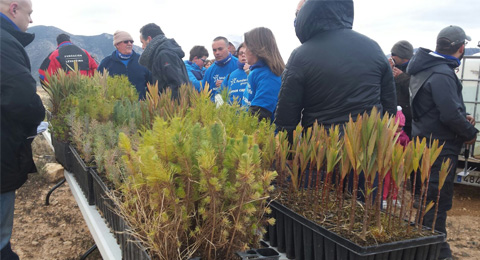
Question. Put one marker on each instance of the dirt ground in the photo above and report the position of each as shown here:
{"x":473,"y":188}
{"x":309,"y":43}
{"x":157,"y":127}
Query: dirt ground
{"x":58,"y":231}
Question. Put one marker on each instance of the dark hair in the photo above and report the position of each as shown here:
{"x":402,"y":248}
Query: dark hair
{"x":444,"y":46}
{"x":198,"y":51}
{"x":221,"y":38}
{"x":62,"y":38}
{"x":151,"y":30}
{"x":240,"y":46}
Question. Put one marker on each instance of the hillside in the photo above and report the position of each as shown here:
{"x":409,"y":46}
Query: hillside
{"x":99,"y":46}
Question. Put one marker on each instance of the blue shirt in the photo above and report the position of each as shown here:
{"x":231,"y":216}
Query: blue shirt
{"x":195,"y":74}
{"x":236,"y":83}
{"x":218,"y":71}
{"x":262,"y":88}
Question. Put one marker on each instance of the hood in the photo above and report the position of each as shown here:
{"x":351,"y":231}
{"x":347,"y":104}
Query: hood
{"x":425,"y":59}
{"x":156,"y":45}
{"x":317,"y":16}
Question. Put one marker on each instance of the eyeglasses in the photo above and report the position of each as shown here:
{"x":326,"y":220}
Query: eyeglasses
{"x":204,"y":60}
{"x":128,"y":41}
{"x":393,"y":54}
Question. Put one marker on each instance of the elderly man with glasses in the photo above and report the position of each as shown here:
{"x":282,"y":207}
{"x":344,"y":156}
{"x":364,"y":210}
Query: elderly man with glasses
{"x":124,"y":61}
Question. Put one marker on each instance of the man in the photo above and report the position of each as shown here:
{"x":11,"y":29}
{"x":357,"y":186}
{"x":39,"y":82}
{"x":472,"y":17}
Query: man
{"x":21,"y":111}
{"x":225,"y":63}
{"x":439,"y":113}
{"x":401,"y":54}
{"x":163,"y":57}
{"x":124,"y":61}
{"x":64,"y":58}
{"x":329,"y":78}
{"x":195,"y":65}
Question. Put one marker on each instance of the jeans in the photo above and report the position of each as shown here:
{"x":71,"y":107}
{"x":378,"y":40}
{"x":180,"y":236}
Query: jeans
{"x":7,"y":205}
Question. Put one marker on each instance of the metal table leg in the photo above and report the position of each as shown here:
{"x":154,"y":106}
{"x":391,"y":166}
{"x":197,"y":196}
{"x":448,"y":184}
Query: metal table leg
{"x":47,"y":200}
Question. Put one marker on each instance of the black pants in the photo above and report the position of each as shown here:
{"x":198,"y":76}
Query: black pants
{"x":446,"y":198}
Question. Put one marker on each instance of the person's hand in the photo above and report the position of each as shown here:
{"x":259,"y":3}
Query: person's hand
{"x":396,"y":71}
{"x":218,"y":83}
{"x":470,"y":119}
{"x":246,"y":67}
{"x":392,"y":62}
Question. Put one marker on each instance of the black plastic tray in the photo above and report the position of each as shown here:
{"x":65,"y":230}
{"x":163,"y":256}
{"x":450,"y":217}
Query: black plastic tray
{"x":63,"y":155}
{"x":83,"y":176}
{"x":312,"y":241}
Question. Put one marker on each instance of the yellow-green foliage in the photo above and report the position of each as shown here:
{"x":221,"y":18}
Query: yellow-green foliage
{"x":207,"y":174}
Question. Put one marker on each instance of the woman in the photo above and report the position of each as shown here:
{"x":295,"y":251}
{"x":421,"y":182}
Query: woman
{"x":261,"y":94}
{"x":236,"y":82}
{"x":124,"y":61}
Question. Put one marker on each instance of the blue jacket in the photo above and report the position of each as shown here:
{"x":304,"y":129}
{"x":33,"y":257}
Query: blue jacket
{"x":136,"y":73}
{"x":218,"y":71}
{"x":262,"y":88}
{"x":236,"y":82}
{"x":195,"y":74}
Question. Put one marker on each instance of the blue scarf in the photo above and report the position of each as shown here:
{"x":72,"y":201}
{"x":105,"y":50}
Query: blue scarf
{"x":448,"y":57}
{"x":240,"y":65}
{"x":224,"y":62}
{"x":8,"y":19}
{"x":124,"y":56}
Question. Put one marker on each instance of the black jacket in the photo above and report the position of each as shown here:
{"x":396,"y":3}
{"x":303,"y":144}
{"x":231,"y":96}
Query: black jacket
{"x":437,"y":101}
{"x":402,"y":84}
{"x":163,"y":57}
{"x":137,"y":74}
{"x":335,"y":72}
{"x":21,"y":108}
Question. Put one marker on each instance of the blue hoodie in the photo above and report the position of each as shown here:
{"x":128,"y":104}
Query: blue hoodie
{"x":195,"y":74}
{"x":236,"y":83}
{"x":262,"y":88}
{"x":218,"y":71}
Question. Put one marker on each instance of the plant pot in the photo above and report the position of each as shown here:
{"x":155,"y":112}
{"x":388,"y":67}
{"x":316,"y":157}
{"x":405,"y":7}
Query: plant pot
{"x":312,"y":241}
{"x":262,"y":253}
{"x":83,"y":176}
{"x":63,"y":155}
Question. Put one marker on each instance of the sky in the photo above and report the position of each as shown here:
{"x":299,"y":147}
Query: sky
{"x":198,"y":22}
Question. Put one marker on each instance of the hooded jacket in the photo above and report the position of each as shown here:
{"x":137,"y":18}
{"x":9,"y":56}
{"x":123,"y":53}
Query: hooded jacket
{"x":335,"y":73}
{"x":219,"y":71}
{"x":138,"y":75}
{"x":163,"y":57}
{"x":195,"y":74}
{"x":21,"y":108}
{"x":402,"y":84}
{"x":437,"y":101}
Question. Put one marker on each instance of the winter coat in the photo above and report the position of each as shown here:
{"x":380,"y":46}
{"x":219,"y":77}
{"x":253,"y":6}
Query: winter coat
{"x":195,"y":74}
{"x":437,"y":101}
{"x":335,"y":73}
{"x":64,"y":58}
{"x":262,"y":90}
{"x":218,"y":71}
{"x":21,"y":108}
{"x":137,"y":74}
{"x":402,"y":84}
{"x":236,"y":82}
{"x":163,"y":57}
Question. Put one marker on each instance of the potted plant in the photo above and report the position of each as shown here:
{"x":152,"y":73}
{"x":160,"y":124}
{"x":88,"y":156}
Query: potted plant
{"x":318,"y":218}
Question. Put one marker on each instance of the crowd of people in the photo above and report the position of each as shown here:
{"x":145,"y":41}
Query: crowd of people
{"x":321,"y":82}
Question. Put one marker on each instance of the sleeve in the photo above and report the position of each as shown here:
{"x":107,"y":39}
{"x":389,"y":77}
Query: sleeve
{"x":260,"y":112}
{"x":101,"y":67}
{"x":206,"y":78}
{"x":50,"y":65}
{"x":19,"y":99}
{"x":92,"y":64}
{"x":266,"y":94}
{"x":195,"y":82}
{"x":290,"y":98}
{"x":172,"y":70}
{"x":450,"y":105}
{"x":388,"y":94}
{"x":43,"y":67}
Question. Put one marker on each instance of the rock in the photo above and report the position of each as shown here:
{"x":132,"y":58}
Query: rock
{"x":53,"y":172}
{"x":34,"y":243}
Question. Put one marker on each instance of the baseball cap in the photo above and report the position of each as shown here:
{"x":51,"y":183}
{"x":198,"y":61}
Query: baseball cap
{"x":454,"y":34}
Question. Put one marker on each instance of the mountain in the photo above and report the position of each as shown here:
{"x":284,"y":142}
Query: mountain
{"x":99,"y":46}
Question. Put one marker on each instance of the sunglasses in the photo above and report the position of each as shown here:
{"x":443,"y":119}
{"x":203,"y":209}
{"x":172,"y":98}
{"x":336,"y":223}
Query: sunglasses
{"x":128,"y":41}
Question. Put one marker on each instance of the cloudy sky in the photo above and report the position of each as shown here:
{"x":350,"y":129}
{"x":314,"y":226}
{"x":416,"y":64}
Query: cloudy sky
{"x":197,"y":22}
